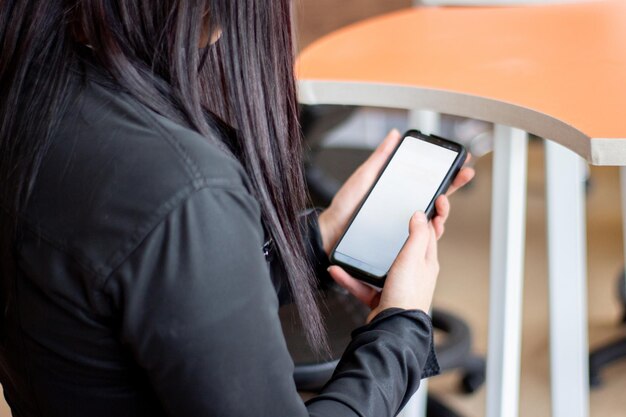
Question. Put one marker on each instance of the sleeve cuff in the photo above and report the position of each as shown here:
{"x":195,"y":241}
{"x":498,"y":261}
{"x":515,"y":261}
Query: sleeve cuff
{"x":431,"y":364}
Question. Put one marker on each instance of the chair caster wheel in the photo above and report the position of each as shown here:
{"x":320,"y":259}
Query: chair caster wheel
{"x":473,"y":380}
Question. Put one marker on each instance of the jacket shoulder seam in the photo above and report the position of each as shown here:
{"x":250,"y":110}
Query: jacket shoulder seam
{"x":103,"y":271}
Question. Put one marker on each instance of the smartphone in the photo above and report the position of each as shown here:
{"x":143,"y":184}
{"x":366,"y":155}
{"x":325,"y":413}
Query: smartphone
{"x":420,"y":169}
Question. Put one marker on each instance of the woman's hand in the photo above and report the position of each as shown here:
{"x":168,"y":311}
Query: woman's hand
{"x":334,"y":219}
{"x":411,"y":281}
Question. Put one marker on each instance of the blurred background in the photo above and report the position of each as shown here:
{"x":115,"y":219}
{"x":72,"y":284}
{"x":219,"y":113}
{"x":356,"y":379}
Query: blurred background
{"x":463,"y":287}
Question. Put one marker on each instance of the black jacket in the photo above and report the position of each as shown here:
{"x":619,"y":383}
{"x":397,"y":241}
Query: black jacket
{"x":142,"y":288}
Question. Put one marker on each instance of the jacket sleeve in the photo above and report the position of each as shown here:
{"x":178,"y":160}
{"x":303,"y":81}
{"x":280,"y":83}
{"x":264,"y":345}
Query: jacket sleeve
{"x":199,"y":314}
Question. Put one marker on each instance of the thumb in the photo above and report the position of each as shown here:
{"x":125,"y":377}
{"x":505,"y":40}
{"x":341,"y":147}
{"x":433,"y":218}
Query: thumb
{"x":417,"y":242}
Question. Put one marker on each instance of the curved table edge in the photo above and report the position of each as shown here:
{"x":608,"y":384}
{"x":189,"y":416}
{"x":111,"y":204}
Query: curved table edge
{"x":598,"y":151}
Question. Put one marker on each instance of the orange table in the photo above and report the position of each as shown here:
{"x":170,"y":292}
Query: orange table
{"x":556,"y":71}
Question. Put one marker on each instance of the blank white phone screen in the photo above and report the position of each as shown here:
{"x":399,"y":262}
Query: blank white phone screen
{"x":407,"y":185}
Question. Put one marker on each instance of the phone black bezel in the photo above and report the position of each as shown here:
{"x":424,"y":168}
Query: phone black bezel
{"x":379,"y":281}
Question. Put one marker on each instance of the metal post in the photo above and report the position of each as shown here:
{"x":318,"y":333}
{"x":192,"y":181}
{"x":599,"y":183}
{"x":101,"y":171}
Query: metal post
{"x":569,"y":352}
{"x":508,"y":221}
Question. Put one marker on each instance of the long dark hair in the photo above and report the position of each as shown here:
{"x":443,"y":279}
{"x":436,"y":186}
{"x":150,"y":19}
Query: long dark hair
{"x":151,"y":49}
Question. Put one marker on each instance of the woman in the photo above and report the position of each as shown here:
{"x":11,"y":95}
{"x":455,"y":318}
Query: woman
{"x":146,"y":167}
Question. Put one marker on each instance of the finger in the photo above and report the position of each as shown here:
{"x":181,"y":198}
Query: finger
{"x":431,"y":249}
{"x":442,"y":207}
{"x":464,"y":176}
{"x":367,"y":295}
{"x":386,"y":147}
{"x":439,"y":226}
{"x":374,"y":164}
{"x":389,"y":143}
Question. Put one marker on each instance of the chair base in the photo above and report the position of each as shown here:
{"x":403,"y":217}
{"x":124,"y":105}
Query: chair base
{"x":604,"y":356}
{"x":456,"y":350}
{"x":436,"y":408}
{"x":614,"y":351}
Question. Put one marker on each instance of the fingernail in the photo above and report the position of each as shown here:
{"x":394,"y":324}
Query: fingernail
{"x":420,"y":216}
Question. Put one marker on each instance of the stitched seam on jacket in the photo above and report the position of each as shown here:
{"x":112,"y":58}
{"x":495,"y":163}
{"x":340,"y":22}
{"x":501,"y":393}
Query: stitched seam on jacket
{"x":145,"y":235}
{"x":179,"y":149}
{"x":103,"y":271}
